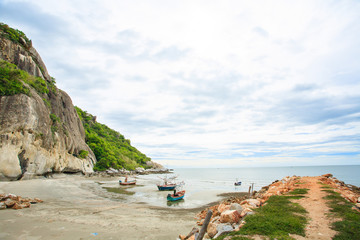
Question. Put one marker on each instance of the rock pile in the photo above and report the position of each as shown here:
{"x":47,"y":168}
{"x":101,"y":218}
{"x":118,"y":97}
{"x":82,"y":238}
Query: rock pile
{"x":347,"y":191}
{"x":16,"y":202}
{"x":111,"y":172}
{"x":230,"y":215}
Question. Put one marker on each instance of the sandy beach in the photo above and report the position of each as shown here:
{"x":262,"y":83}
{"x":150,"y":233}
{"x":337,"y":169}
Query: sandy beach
{"x":76,"y":207}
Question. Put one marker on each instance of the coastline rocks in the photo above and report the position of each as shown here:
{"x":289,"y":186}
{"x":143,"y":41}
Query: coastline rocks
{"x":237,"y":207}
{"x":212,"y":230}
{"x":223,"y":228}
{"x":111,"y":172}
{"x":230,"y":216}
{"x":223,"y":207}
{"x":329,"y":175}
{"x":16,"y":202}
{"x":252,"y":202}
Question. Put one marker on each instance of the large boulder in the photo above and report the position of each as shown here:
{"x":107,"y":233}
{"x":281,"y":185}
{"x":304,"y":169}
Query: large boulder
{"x":31,"y":142}
{"x":223,"y":228}
{"x":212,"y":229}
{"x":230,"y":216}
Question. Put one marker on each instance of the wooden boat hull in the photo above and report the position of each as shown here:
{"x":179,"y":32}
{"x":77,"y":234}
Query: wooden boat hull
{"x":166,"y":187}
{"x":127,"y":183}
{"x":179,"y":196}
{"x":237,"y":183}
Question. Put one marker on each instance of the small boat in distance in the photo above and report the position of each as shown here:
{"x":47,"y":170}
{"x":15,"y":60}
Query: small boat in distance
{"x":126,"y":182}
{"x":237,"y":183}
{"x":176,"y":196}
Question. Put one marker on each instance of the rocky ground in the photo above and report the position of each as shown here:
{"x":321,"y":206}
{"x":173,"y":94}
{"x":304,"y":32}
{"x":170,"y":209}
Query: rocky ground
{"x":230,"y":215}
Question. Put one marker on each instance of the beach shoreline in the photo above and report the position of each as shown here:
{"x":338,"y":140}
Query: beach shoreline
{"x":78,"y":207}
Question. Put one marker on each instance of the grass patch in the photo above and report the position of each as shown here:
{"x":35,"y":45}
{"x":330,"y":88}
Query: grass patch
{"x":299,"y":183}
{"x":325,"y":186}
{"x":349,"y":226}
{"x":276,"y":219}
{"x":299,"y":191}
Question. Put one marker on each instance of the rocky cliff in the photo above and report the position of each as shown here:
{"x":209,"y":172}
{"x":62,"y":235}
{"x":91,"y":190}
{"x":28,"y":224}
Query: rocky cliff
{"x":40,"y":132}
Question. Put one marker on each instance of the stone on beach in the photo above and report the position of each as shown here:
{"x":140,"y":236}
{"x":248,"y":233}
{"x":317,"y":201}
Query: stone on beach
{"x":223,"y":228}
{"x":237,"y":207}
{"x":230,"y":216}
{"x":223,"y":207}
{"x":16,"y":202}
{"x":252,"y":202}
{"x":212,"y":230}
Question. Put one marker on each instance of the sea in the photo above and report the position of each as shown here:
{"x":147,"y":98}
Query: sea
{"x":205,"y":185}
{"x":262,"y":176}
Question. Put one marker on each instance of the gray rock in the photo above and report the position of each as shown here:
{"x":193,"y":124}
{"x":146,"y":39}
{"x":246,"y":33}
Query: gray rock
{"x":223,"y":228}
{"x":28,"y":146}
{"x":237,"y":207}
{"x":139,"y":170}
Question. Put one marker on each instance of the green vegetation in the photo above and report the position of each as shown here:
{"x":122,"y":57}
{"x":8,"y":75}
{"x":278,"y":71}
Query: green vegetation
{"x":349,"y":225}
{"x":15,"y":35}
{"x":299,"y":191}
{"x":110,"y":147}
{"x":276,"y":219}
{"x":83,"y":154}
{"x":12,"y":81}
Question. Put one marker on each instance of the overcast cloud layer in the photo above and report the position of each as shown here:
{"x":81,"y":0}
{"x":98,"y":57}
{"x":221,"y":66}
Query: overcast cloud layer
{"x":209,"y":83}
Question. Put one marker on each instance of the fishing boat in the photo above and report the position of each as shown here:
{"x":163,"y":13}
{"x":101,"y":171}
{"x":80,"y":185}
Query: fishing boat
{"x":127,"y":183}
{"x":168,"y":183}
{"x":237,"y":183}
{"x":166,"y":187}
{"x":176,"y":196}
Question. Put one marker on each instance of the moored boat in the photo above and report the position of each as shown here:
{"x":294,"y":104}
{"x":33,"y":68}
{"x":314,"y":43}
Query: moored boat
{"x":176,"y":196}
{"x":237,"y":183}
{"x":127,"y":183}
{"x":166,"y":187}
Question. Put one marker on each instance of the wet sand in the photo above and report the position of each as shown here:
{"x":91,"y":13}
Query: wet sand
{"x":76,"y":207}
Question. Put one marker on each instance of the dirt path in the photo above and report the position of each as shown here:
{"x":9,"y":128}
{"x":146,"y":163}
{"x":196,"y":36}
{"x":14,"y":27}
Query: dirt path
{"x":319,"y":223}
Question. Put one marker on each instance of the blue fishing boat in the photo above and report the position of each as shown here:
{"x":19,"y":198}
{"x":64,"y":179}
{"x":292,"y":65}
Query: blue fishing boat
{"x":166,"y":187}
{"x":176,"y":196}
{"x":237,"y":183}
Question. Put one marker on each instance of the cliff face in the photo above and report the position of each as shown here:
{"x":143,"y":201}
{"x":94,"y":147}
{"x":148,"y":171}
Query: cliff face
{"x":39,"y":133}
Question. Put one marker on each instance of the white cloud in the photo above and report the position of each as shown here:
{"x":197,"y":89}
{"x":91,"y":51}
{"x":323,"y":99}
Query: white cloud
{"x":196,"y":83}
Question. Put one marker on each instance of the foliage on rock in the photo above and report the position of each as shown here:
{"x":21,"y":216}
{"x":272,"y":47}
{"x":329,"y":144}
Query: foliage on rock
{"x":109,"y":146}
{"x":15,"y":35}
{"x":12,"y":81}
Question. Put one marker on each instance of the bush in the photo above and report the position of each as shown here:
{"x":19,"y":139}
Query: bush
{"x":110,"y":147}
{"x":83,"y":154}
{"x":12,"y":81}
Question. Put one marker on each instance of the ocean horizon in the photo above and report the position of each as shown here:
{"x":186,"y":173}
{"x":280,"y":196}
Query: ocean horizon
{"x":262,"y":176}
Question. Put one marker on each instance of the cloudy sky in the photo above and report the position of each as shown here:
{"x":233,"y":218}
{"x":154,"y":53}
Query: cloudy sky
{"x":209,"y":83}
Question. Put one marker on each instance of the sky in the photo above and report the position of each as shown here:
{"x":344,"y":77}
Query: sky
{"x":195,"y":83}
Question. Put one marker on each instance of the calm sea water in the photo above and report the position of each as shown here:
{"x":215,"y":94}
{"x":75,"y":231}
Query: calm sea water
{"x":225,"y":177}
{"x":203,"y":185}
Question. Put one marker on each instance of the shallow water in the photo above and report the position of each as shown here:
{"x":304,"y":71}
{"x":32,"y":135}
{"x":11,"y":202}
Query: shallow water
{"x":203,"y":185}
